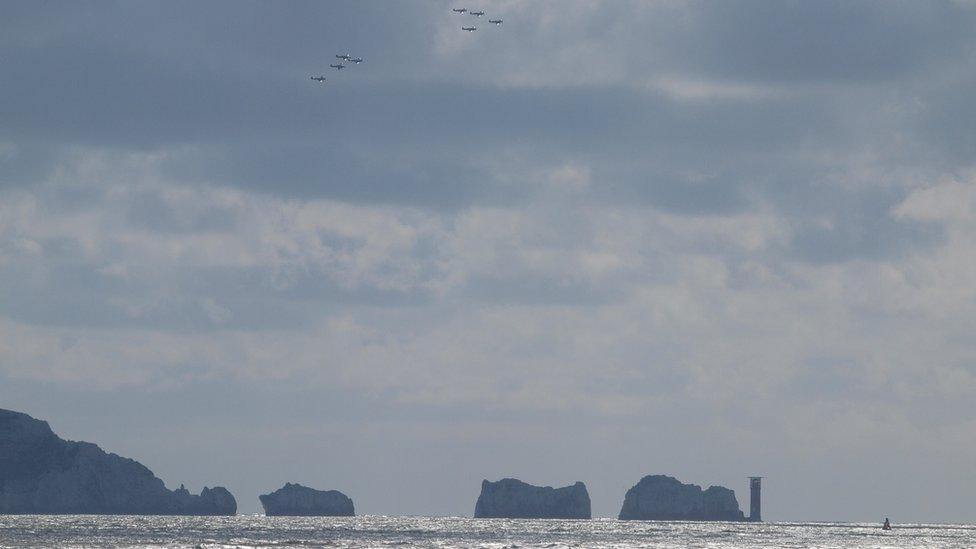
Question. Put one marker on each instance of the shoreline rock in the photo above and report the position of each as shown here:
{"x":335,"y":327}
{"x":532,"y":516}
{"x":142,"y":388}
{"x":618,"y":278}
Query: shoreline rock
{"x":660,"y":497}
{"x":512,"y":498}
{"x":295,"y":500}
{"x":41,"y":473}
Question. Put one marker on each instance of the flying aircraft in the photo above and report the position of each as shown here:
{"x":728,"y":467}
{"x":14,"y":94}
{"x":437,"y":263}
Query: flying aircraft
{"x":459,"y":10}
{"x":469,"y":29}
{"x":495,"y":21}
{"x":318,"y":78}
{"x":356,"y":60}
{"x":477,"y":13}
{"x":339,"y":67}
{"x":343,"y":56}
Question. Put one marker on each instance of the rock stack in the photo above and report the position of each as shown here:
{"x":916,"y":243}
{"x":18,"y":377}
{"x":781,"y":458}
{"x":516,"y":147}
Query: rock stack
{"x":512,"y":498}
{"x":659,"y":497}
{"x":295,"y":500}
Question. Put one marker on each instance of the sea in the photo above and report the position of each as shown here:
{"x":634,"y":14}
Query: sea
{"x":450,"y":532}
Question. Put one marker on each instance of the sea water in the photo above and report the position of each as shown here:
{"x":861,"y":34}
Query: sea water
{"x":406,"y":532}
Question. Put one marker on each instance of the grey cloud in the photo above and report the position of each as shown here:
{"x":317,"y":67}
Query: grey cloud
{"x":943,"y":118}
{"x":799,"y":41}
{"x":879,"y":238}
{"x":836,"y":378}
{"x":548,"y":289}
{"x":686,"y":194}
{"x":63,"y":289}
{"x":437,"y":149}
{"x":351,"y":171}
{"x":860,"y":227}
{"x":148,"y":211}
{"x":224,"y":115}
{"x":60,"y":288}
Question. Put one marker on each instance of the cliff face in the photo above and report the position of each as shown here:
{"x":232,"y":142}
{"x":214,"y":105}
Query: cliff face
{"x":298,"y":501}
{"x":512,"y":498}
{"x":659,"y":497}
{"x":42,"y":474}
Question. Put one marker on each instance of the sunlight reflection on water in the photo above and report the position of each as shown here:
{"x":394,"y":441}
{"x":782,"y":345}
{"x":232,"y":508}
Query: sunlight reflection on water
{"x":451,"y":532}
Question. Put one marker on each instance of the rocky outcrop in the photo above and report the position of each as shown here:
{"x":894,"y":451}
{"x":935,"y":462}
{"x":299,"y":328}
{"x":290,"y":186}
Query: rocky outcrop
{"x":295,"y":500}
{"x":659,"y":497}
{"x":512,"y":498}
{"x":41,"y":473}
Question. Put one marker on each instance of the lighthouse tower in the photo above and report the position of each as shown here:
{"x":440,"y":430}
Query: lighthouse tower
{"x":755,"y":499}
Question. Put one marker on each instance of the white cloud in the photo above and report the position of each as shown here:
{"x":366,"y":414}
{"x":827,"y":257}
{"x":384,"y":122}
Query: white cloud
{"x":950,"y":200}
{"x":705,"y":295}
{"x":692,"y":89}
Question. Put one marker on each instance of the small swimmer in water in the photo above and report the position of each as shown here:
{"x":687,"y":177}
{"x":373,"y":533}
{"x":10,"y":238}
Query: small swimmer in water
{"x":887,"y":524}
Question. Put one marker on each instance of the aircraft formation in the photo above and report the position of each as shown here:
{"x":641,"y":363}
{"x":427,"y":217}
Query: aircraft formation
{"x":344,"y":58}
{"x":339,"y":65}
{"x":472,"y":28}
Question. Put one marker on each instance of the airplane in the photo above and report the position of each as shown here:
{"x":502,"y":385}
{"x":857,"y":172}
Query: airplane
{"x":469,"y":29}
{"x":340,"y":66}
{"x":343,"y":56}
{"x":477,"y":13}
{"x":356,"y":60}
{"x":495,"y":21}
{"x":459,"y":10}
{"x":318,"y":78}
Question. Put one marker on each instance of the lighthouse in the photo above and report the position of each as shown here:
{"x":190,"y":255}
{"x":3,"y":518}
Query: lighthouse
{"x":755,"y":499}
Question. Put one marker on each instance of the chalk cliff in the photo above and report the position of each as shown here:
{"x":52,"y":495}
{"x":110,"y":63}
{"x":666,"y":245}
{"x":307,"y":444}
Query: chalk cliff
{"x":41,"y":473}
{"x":512,"y":498}
{"x":659,"y":497}
{"x":299,"y":501}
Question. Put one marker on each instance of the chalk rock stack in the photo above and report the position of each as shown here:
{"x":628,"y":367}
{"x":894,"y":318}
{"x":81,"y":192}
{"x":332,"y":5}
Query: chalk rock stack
{"x":659,"y":497}
{"x":295,"y":500}
{"x":512,"y":498}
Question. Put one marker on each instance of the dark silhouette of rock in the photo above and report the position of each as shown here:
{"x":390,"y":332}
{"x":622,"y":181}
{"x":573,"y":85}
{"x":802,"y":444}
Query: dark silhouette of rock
{"x":512,"y":498}
{"x":295,"y":500}
{"x":659,"y":497}
{"x":41,"y":473}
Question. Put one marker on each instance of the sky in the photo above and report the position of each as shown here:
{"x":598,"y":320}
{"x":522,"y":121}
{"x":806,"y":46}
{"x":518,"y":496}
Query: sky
{"x":603,"y":240}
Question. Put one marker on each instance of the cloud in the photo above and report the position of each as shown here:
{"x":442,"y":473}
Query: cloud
{"x":949,"y":201}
